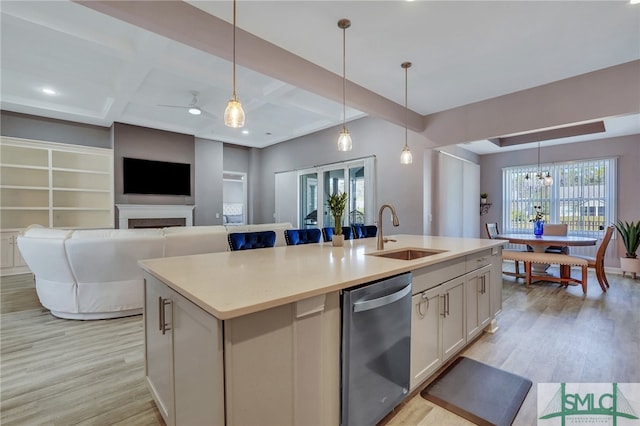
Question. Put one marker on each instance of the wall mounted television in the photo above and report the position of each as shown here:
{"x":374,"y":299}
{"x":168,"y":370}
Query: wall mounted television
{"x":156,"y":177}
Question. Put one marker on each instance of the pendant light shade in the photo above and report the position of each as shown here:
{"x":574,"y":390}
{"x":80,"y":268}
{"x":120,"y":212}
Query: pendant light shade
{"x":405,"y":157}
{"x":234,"y":114}
{"x":344,"y":138}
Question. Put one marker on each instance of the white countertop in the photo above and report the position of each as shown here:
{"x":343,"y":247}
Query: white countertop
{"x":232,"y":284}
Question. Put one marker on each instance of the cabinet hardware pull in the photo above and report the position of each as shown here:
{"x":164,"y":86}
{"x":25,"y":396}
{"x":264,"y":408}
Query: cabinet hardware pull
{"x":424,"y":301}
{"x":367,"y":305}
{"x":163,"y":304}
{"x":447,"y":304}
{"x":160,"y":313}
{"x":444,"y":305}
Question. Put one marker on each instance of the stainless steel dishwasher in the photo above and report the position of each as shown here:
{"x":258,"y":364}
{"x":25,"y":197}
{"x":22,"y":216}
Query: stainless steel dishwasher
{"x":376,"y":333}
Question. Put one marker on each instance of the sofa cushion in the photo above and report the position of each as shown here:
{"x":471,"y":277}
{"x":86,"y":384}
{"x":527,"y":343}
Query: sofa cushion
{"x":93,"y":234}
{"x":43,"y":249}
{"x":184,"y":241}
{"x":171,"y":230}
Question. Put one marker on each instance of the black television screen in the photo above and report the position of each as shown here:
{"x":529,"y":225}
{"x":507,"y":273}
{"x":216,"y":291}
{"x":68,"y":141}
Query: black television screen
{"x":156,"y":177}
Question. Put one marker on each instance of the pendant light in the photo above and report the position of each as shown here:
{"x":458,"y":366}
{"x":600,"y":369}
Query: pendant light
{"x":344,"y":138}
{"x":405,"y":156}
{"x":540,"y":179}
{"x":234,"y":114}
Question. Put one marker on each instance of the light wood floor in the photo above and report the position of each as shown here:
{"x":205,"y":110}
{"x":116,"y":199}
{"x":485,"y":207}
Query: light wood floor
{"x":63,"y":372}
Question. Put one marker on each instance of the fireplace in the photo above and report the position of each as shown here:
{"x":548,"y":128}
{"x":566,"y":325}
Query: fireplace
{"x":157,"y":222}
{"x":154,"y":216}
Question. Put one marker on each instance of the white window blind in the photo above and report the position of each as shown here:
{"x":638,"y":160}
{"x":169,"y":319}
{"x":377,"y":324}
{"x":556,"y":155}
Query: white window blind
{"x":582,"y":196}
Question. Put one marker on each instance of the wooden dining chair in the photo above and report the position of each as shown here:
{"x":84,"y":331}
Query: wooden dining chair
{"x":556,"y":229}
{"x":597,"y":262}
{"x":493,"y":232}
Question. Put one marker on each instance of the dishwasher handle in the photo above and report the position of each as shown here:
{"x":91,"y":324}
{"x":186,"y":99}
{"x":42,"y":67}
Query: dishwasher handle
{"x":367,"y":305}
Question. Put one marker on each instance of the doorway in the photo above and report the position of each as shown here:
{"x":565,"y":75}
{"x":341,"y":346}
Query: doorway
{"x":234,"y":198}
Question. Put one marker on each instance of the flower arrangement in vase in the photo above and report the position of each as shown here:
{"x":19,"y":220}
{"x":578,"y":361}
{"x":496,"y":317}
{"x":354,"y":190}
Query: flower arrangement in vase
{"x":538,"y":221}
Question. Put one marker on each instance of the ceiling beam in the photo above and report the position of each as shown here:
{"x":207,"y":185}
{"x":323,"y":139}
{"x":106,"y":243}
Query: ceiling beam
{"x":545,"y":135}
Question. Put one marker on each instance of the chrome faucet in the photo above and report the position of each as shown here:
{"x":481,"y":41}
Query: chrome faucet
{"x":381,"y":239}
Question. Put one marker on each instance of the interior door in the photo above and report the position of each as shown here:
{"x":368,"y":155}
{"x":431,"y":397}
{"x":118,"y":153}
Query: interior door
{"x":333,"y":183}
{"x":309,"y":200}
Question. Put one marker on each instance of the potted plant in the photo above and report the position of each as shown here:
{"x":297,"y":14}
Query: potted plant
{"x":337,"y":203}
{"x":483,"y":197}
{"x":630,"y":234}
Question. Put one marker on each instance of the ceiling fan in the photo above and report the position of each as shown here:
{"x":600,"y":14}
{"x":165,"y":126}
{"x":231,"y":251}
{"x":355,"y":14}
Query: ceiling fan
{"x":192,"y":108}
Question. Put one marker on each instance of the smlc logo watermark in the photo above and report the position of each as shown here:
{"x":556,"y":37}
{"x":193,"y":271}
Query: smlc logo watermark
{"x":616,"y":404}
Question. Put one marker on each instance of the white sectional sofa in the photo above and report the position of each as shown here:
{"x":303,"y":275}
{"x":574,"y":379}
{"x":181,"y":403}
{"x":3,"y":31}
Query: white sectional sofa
{"x":94,"y":274}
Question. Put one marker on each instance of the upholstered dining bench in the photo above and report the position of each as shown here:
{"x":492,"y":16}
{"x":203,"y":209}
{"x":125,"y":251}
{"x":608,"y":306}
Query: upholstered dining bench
{"x":553,"y":258}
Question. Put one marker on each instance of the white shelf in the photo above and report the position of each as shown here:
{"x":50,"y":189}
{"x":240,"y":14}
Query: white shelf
{"x":20,"y":166}
{"x":55,"y":185}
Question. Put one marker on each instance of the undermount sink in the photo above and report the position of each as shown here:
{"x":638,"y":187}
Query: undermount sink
{"x":408,"y":254}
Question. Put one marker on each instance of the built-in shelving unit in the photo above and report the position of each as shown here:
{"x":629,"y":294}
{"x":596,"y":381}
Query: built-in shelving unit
{"x":55,"y":185}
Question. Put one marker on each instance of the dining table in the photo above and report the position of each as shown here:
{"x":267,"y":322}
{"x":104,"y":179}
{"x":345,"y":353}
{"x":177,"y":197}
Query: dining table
{"x":540,"y":243}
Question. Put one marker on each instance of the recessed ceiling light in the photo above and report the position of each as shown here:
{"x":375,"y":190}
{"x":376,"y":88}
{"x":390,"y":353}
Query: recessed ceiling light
{"x":245,"y":132}
{"x":195,"y":111}
{"x":49,"y":91}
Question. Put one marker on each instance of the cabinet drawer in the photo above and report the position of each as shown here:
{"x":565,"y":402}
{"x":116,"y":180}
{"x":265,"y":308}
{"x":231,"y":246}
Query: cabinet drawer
{"x":478,"y":260}
{"x":434,"y":275}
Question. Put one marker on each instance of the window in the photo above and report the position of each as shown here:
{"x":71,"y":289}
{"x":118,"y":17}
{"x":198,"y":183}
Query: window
{"x":354,"y":177}
{"x":582,"y":196}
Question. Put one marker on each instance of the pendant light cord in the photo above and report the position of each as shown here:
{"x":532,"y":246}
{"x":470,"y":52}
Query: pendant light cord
{"x":539,"y":173}
{"x":234,"y":50}
{"x":406,"y":78}
{"x":344,"y":78}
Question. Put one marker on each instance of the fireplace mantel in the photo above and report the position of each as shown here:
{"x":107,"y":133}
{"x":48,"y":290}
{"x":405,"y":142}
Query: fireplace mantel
{"x":153,"y":211}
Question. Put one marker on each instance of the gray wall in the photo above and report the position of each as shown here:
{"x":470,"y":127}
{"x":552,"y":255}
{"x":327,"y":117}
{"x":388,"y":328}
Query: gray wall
{"x":47,"y":129}
{"x":626,"y":148}
{"x":151,"y":144}
{"x":236,"y":158}
{"x":209,"y":160}
{"x":402,"y":186}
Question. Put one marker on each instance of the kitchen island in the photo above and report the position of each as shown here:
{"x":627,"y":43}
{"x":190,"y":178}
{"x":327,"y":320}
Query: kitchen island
{"x":253,"y":337}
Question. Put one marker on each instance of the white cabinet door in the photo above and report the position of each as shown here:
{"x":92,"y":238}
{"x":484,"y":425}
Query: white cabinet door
{"x":484,"y":299}
{"x":496,"y":282}
{"x":477,"y":289}
{"x":453,"y":317}
{"x":6,"y":249}
{"x":18,"y":260}
{"x":184,"y":358}
{"x":11,"y":261}
{"x":158,"y":346}
{"x":198,"y":365}
{"x":426,"y":353}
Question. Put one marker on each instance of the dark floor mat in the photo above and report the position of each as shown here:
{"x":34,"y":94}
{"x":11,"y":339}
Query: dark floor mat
{"x":478,"y":392}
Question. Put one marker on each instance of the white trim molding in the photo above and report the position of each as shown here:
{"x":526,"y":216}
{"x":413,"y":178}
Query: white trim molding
{"x":153,"y":211}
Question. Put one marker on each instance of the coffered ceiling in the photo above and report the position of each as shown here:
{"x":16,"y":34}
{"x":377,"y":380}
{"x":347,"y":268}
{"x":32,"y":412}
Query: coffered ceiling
{"x":105,"y":70}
